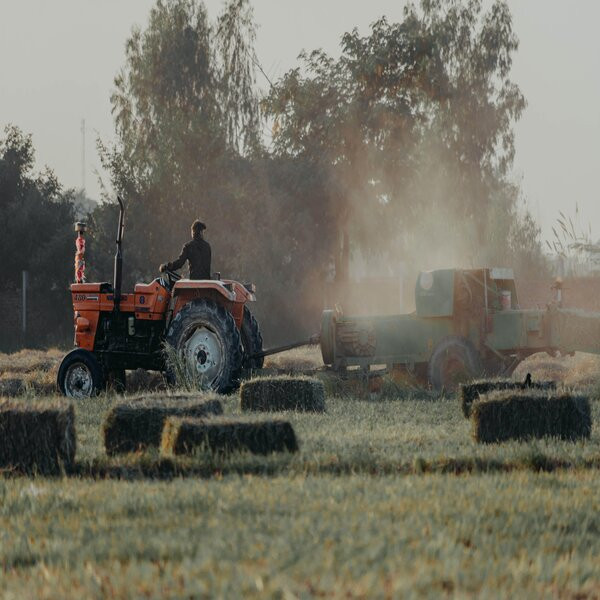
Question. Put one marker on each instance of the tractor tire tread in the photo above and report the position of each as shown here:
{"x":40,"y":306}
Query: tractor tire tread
{"x":214,"y":313}
{"x":252,"y":341}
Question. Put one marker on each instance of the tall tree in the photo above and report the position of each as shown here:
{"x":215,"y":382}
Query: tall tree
{"x":37,"y":236}
{"x":185,"y":112}
{"x":415,"y":123}
{"x":37,"y":216}
{"x":189,"y":145}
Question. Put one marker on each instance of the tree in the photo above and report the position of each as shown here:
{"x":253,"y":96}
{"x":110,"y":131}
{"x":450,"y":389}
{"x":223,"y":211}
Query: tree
{"x":37,"y":217}
{"x":188,"y":123}
{"x":183,"y":107}
{"x":414,"y":123}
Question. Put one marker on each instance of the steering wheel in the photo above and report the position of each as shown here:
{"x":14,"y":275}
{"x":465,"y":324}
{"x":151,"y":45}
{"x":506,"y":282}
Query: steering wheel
{"x":169,"y":277}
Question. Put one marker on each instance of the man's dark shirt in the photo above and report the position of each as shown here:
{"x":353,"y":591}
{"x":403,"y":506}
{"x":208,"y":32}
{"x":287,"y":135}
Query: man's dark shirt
{"x":197,"y":252}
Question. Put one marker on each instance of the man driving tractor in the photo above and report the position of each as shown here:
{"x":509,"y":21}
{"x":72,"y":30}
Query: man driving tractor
{"x":197,"y":252}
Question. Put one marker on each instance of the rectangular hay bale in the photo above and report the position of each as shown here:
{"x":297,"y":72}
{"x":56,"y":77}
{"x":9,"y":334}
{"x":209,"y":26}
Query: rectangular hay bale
{"x":224,"y":435}
{"x":514,"y":415}
{"x":37,"y":437}
{"x":275,"y":394}
{"x":137,"y":425}
{"x":470,"y":392}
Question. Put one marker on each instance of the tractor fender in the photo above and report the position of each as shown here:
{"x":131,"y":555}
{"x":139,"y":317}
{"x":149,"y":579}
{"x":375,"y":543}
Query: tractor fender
{"x":184,"y":285}
{"x":229,"y":294}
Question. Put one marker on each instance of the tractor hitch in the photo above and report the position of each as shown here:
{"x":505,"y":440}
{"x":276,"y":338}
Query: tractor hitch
{"x":313,"y":341}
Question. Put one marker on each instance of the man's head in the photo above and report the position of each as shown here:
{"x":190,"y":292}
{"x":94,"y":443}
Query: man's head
{"x":197,"y":228}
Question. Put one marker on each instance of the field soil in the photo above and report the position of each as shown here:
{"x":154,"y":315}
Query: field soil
{"x":388,"y":496}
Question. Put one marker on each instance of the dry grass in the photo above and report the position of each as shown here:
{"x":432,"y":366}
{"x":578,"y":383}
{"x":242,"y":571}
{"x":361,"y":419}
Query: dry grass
{"x":37,"y":371}
{"x":29,"y":371}
{"x":307,"y":358}
{"x":31,"y":361}
{"x":34,"y":372}
{"x":580,"y":370}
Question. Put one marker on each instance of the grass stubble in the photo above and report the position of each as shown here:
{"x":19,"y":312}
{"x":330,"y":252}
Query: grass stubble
{"x":385,"y":497}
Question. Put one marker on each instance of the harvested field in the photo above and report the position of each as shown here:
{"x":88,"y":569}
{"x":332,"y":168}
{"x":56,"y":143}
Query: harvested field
{"x":513,"y":415}
{"x":470,"y":392}
{"x":516,"y":535}
{"x":353,"y":501}
{"x":31,"y":361}
{"x":138,"y":424}
{"x":224,"y":435}
{"x":33,"y":372}
{"x":275,"y":394}
{"x":37,"y":437}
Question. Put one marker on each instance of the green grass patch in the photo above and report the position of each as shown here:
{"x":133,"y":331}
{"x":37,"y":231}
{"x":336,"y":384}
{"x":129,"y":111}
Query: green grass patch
{"x":511,"y":535}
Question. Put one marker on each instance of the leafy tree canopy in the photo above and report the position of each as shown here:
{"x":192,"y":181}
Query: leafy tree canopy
{"x":37,"y":218}
{"x":415,"y":123}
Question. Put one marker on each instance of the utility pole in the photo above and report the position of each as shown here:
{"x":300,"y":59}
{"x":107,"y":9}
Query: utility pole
{"x":83,"y":155}
{"x":25,"y":281}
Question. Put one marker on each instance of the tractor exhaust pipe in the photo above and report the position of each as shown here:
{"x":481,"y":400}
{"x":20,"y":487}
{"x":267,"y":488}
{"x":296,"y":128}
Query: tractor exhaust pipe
{"x":118,"y":272}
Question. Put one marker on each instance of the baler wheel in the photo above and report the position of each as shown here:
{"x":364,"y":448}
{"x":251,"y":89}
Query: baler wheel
{"x":454,"y":361}
{"x":252,"y":341}
{"x":208,"y":344}
{"x":327,"y":336}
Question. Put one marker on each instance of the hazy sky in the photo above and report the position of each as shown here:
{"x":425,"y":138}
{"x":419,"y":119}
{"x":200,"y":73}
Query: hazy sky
{"x":59,"y":58}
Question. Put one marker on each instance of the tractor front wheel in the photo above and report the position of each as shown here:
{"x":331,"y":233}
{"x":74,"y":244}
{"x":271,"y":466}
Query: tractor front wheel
{"x":454,"y":361}
{"x":207,"y":345}
{"x":80,"y":375}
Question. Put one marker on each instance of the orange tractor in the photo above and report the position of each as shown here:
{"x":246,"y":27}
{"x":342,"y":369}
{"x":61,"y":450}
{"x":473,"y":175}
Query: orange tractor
{"x":207,"y":323}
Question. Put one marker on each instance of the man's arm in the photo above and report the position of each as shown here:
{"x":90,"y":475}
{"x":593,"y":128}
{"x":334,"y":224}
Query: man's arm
{"x":177,"y":264}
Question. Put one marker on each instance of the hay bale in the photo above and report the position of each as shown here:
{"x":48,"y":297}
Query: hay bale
{"x":137,"y":425}
{"x":470,"y":392}
{"x":521,"y":415}
{"x":37,"y":438}
{"x":223,"y":435}
{"x":12,"y":387}
{"x":274,"y":394}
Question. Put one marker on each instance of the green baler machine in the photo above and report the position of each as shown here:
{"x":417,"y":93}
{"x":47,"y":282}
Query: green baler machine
{"x":467,"y":324}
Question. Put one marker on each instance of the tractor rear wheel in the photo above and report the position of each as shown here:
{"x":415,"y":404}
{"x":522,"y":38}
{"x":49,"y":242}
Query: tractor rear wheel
{"x":208,"y":346}
{"x":80,"y":375}
{"x":454,"y":361}
{"x":252,"y":341}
